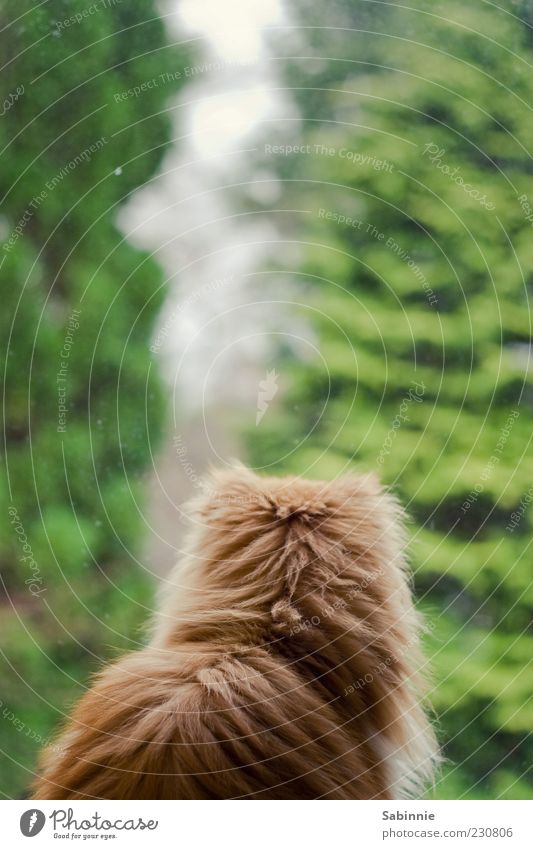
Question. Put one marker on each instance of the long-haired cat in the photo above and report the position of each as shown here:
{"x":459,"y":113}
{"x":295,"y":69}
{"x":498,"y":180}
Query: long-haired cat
{"x":284,"y":661}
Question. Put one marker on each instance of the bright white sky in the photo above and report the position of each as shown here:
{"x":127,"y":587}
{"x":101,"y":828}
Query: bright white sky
{"x":233,"y":26}
{"x":233,"y":33}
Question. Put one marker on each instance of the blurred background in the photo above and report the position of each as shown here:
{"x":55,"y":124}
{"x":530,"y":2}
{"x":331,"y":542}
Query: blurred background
{"x":290,"y":233}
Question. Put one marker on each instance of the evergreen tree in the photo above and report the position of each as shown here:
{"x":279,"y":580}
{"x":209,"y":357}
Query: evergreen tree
{"x":84,"y":124}
{"x":416,"y":189}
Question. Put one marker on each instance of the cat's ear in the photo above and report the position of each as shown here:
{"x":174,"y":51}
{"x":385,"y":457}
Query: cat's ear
{"x":365,"y":519}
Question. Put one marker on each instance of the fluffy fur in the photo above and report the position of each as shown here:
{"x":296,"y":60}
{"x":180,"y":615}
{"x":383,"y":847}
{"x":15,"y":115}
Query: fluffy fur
{"x":284,"y":662}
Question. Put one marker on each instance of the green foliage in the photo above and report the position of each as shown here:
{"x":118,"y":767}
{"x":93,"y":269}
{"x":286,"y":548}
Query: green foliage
{"x":427,"y":285}
{"x":79,"y":303}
